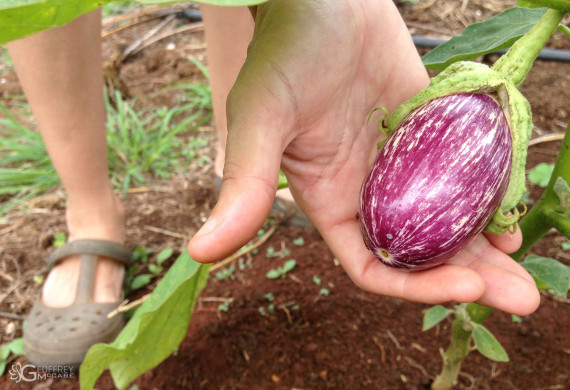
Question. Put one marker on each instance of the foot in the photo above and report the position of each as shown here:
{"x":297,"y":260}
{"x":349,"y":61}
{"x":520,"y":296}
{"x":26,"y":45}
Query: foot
{"x":105,"y":223}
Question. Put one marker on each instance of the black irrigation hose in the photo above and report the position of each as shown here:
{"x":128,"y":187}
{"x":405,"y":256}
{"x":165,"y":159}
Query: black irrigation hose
{"x":545,"y":54}
{"x":419,"y":41}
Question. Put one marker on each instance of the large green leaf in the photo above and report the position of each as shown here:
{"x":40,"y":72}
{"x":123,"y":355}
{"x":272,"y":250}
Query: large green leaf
{"x":549,"y":273}
{"x":155,"y":330}
{"x":19,"y":18}
{"x":556,"y":4}
{"x":496,"y":33}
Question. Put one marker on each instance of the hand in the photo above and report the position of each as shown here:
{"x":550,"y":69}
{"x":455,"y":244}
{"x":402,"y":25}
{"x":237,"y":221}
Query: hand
{"x":314,"y":72}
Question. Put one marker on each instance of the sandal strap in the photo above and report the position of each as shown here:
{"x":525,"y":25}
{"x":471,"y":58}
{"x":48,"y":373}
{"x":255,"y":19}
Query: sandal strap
{"x":96,"y":248}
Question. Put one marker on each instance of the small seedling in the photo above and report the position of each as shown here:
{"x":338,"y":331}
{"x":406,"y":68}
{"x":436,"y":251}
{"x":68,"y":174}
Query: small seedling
{"x":281,"y":272}
{"x":299,"y":241}
{"x":39,"y":279}
{"x":155,"y":269}
{"x":540,"y":174}
{"x":262,"y":311}
{"x":164,"y":255}
{"x":140,"y":254}
{"x":270,"y":297}
{"x":15,"y":347}
{"x":566,"y":245}
{"x":225,"y":274}
{"x":271,"y":252}
{"x":225,"y":307}
{"x":325,"y":292}
{"x":59,"y":239}
{"x":317,"y":280}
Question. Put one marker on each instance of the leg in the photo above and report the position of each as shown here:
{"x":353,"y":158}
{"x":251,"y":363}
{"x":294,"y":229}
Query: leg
{"x":228,"y":33}
{"x":61,"y":73}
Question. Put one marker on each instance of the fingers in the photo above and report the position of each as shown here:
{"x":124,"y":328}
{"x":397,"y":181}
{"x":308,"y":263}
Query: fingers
{"x":441,"y":284}
{"x":506,"y":242}
{"x":481,"y":273}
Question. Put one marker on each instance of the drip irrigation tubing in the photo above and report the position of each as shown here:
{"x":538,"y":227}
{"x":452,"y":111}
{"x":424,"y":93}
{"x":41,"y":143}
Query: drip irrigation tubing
{"x":545,"y":54}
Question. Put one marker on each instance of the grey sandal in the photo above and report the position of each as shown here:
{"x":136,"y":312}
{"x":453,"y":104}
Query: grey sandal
{"x":62,"y":336}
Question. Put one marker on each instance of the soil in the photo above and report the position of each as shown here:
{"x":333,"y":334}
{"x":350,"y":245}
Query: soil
{"x":349,"y":339}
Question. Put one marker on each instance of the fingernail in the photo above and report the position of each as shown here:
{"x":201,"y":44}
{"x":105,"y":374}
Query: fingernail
{"x":207,"y":228}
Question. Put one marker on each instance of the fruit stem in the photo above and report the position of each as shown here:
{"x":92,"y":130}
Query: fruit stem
{"x":516,"y":63}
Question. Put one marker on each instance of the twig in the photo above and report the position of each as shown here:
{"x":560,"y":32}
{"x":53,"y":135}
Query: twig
{"x":126,"y":305}
{"x":164,"y":231}
{"x":394,"y":339}
{"x":244,"y":250}
{"x":415,"y":364}
{"x":470,"y":377}
{"x":198,"y":26}
{"x":546,"y":138}
{"x":135,"y":45}
{"x":287,"y":313}
{"x":12,"y":316}
{"x":215,"y":299}
{"x":376,"y":341}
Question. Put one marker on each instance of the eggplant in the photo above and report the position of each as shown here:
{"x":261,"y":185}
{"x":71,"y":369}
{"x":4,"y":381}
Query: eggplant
{"x":437,"y":181}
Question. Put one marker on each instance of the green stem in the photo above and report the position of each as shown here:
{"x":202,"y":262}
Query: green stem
{"x":516,"y":63}
{"x":564,"y":29}
{"x":545,"y":214}
{"x":460,"y":344}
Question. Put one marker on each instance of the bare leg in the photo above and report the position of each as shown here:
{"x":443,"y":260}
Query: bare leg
{"x":228,"y":33}
{"x":61,"y":73}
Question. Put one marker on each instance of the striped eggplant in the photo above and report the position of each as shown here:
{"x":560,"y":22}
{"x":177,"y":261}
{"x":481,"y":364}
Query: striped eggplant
{"x":437,"y":181}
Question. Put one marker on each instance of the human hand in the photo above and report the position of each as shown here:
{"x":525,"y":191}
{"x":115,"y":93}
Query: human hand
{"x":314,"y":72}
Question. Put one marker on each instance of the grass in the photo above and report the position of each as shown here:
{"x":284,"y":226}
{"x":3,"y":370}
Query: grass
{"x":155,"y":142}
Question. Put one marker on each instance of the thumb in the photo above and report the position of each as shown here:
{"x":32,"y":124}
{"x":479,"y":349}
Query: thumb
{"x":251,"y":170}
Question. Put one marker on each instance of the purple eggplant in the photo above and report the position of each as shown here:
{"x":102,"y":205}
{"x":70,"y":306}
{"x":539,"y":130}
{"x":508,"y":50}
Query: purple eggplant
{"x":437,"y":181}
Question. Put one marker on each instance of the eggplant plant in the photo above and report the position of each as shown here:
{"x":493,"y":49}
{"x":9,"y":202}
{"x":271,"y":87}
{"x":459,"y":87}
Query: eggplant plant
{"x":451,"y":184}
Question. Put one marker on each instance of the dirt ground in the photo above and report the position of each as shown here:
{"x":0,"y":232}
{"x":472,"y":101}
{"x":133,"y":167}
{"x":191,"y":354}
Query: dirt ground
{"x":349,"y":339}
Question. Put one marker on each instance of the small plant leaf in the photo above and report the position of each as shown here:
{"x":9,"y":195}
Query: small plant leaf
{"x":325,"y":292}
{"x":17,"y":346}
{"x":300,"y":241}
{"x":155,"y":269}
{"x":270,"y":297}
{"x":434,"y":315}
{"x":565,"y":245}
{"x":140,"y":281}
{"x":496,"y":33}
{"x":549,"y":272}
{"x":488,"y":345}
{"x":164,"y":255}
{"x":540,"y":174}
{"x":273,"y":274}
{"x":317,"y":280}
{"x":289,"y":265}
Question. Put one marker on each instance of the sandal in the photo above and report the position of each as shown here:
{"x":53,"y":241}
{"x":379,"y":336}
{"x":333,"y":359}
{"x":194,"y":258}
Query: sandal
{"x":62,"y":336}
{"x":286,"y":210}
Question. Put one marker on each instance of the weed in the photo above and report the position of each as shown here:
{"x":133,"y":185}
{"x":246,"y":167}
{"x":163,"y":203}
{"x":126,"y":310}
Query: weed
{"x":225,"y":307}
{"x":300,"y":241}
{"x":281,"y":272}
{"x":225,"y":274}
{"x":14,"y":347}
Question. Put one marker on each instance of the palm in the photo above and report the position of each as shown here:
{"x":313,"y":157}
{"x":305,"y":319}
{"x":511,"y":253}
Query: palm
{"x":314,"y":72}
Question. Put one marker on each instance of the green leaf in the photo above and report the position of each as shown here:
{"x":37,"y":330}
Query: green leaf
{"x":488,"y":345}
{"x":566,"y":245}
{"x":434,"y":315}
{"x":556,"y":4}
{"x":5,"y":352}
{"x":163,"y":255}
{"x":324,"y":292}
{"x":155,"y":330}
{"x":299,"y":241}
{"x":540,"y":174}
{"x":140,"y":281}
{"x":289,"y":265}
{"x":317,"y":280}
{"x":17,"y":346}
{"x":273,"y":274}
{"x":155,"y":269}
{"x":496,"y":33}
{"x":550,"y":272}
